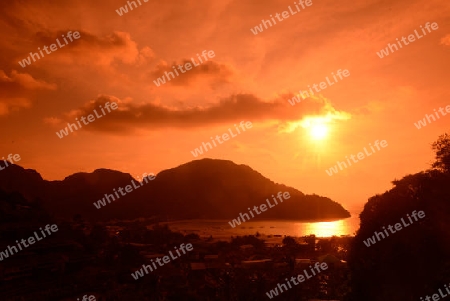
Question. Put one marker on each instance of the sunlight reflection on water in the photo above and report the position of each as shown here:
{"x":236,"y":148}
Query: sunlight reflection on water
{"x":221,"y":228}
{"x":327,"y":229}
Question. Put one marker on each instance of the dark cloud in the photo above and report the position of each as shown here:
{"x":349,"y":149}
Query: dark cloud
{"x":232,"y":109}
{"x":92,"y":48}
{"x":212,"y":71}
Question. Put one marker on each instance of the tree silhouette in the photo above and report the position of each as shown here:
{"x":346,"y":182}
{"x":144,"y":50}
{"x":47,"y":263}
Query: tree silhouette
{"x":412,"y":262}
{"x":442,"y":149}
{"x":288,"y":241}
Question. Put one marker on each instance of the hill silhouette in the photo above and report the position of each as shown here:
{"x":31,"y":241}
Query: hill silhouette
{"x":207,"y":188}
{"x":412,"y":262}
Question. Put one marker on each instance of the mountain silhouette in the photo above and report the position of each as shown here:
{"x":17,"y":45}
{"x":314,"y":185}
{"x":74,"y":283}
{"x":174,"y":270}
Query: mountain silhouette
{"x":207,"y":188}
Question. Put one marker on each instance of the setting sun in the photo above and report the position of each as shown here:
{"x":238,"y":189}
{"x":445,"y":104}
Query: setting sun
{"x":298,"y":149}
{"x":318,"y":127}
{"x":318,"y":131}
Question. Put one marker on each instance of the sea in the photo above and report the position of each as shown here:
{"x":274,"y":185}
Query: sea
{"x":221,"y":229}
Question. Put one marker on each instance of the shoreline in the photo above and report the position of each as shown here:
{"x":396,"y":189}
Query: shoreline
{"x":262,"y":220}
{"x":269,"y":228}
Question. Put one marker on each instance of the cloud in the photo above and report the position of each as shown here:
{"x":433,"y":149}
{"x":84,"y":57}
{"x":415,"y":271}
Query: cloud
{"x":446,"y":40}
{"x":8,"y":104}
{"x":24,"y":80}
{"x":53,"y":121}
{"x":146,"y":55}
{"x":234,"y":108}
{"x":211,"y":71}
{"x":92,"y":49}
{"x":18,"y":89}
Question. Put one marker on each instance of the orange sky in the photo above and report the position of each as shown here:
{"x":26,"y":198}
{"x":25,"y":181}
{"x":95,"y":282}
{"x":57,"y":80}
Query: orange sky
{"x":250,"y":78}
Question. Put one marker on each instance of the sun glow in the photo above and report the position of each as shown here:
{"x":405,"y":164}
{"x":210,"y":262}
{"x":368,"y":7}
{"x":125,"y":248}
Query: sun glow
{"x":327,"y":229}
{"x":318,"y":131}
{"x":318,"y":127}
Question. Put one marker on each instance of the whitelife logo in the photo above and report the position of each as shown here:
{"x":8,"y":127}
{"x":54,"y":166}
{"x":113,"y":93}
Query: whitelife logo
{"x":360,"y":156}
{"x":140,"y":273}
{"x":9,"y":250}
{"x":322,"y":85}
{"x":371,"y":240}
{"x":411,"y":38}
{"x":128,"y":189}
{"x":300,"y":278}
{"x":225,"y":137}
{"x":188,"y":66}
{"x":27,"y":61}
{"x":12,"y":159}
{"x":124,"y":9}
{"x":437,"y":297}
{"x":90,"y":118}
{"x":262,"y":207}
{"x":423,"y":122}
{"x":284,"y":15}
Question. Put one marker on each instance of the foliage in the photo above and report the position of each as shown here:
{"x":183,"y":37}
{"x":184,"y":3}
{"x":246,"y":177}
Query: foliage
{"x":442,"y":149}
{"x":289,"y":241}
{"x":412,"y":262}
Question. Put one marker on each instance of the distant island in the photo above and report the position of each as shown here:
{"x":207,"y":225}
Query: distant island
{"x":200,"y":189}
